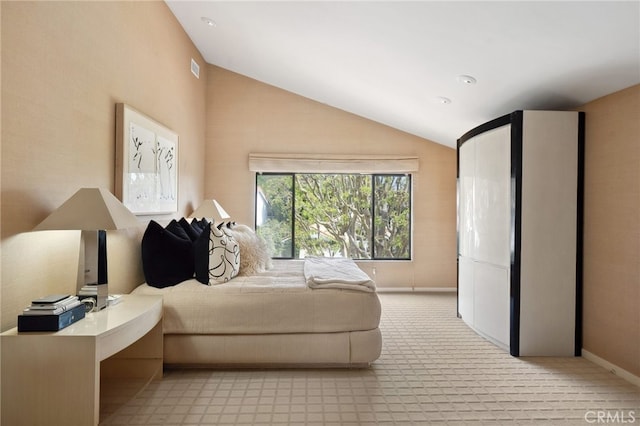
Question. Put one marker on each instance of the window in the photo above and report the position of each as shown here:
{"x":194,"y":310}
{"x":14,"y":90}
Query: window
{"x":362,"y":216}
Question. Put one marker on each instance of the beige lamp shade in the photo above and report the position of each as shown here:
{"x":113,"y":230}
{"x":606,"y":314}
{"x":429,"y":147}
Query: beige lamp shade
{"x":211,"y":209}
{"x":90,"y":209}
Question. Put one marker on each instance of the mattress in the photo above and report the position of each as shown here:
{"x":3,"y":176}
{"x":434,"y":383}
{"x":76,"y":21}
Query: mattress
{"x":277,"y":301}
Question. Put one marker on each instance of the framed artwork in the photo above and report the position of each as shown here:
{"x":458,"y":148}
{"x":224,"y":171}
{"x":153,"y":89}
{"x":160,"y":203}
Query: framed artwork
{"x":146,"y":163}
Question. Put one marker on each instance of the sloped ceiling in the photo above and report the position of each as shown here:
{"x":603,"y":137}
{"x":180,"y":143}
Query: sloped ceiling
{"x":391,"y":62}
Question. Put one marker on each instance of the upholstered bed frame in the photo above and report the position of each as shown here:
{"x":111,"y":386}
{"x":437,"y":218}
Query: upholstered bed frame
{"x":346,"y":349}
{"x":268,"y":319}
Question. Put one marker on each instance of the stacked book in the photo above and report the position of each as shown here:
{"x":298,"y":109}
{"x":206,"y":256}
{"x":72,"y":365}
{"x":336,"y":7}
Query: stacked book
{"x":51,"y":313}
{"x":52,"y":305}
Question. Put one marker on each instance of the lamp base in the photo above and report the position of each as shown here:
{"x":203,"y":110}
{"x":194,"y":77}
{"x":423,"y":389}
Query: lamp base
{"x":98,"y":292}
{"x":103,"y":294}
{"x":93,"y":275}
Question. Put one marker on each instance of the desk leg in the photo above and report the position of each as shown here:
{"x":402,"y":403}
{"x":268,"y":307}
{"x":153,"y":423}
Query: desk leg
{"x":50,"y":380}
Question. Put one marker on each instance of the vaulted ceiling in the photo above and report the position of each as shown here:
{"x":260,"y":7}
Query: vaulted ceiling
{"x":400,"y":63}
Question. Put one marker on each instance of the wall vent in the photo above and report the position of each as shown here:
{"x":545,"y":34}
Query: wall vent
{"x":195,"y":68}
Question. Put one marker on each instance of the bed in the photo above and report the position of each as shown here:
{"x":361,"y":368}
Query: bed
{"x":273,"y":317}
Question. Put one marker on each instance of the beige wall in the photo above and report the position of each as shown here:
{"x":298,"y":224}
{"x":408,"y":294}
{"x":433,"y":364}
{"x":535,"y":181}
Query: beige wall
{"x":64,"y":67}
{"x":612,"y":229}
{"x":244,"y":115}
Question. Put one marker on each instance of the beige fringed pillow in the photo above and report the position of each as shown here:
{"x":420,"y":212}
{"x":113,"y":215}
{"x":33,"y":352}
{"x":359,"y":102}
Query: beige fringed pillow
{"x":254,"y":255}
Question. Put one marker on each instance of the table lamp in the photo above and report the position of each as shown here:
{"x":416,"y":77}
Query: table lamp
{"x":211,"y":209}
{"x":92,"y":211}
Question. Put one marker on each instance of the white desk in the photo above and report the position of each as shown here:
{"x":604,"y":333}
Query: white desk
{"x":53,"y":378}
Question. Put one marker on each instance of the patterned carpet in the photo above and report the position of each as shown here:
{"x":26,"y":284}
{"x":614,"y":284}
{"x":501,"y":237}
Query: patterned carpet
{"x":433,"y":370}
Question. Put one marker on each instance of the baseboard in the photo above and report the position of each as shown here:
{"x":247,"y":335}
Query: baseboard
{"x":416,"y":289}
{"x":620,"y":372}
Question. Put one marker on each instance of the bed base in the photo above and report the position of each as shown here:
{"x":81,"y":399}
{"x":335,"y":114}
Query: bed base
{"x":344,"y":349}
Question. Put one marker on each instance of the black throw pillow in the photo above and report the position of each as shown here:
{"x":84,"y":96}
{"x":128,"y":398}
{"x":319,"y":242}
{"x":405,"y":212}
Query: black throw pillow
{"x":201,"y":255}
{"x":167,"y":259}
{"x":192,"y":230}
{"x":178,"y":230}
{"x":197,"y":225}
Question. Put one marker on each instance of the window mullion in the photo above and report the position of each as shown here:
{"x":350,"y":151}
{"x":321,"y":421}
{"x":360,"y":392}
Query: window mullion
{"x":373,"y":217}
{"x":293,"y":216}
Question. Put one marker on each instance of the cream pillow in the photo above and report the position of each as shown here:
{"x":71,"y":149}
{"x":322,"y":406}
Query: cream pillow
{"x":254,"y":255}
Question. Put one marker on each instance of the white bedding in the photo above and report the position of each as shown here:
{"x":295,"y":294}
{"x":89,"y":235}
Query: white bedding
{"x":276,"y":301}
{"x":336,"y":272}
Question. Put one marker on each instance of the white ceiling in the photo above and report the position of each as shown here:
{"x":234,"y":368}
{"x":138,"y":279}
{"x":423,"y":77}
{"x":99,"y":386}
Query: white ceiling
{"x":388,"y":61}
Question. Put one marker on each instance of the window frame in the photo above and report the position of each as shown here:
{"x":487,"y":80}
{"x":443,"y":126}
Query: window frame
{"x":372,"y":176}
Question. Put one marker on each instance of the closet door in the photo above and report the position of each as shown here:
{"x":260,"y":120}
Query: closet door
{"x":492,"y":234}
{"x":466,"y":171}
{"x":484,"y":194}
{"x":466,"y":167}
{"x":491,"y":302}
{"x":492,"y":197}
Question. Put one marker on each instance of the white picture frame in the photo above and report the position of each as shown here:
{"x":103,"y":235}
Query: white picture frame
{"x":146,"y":163}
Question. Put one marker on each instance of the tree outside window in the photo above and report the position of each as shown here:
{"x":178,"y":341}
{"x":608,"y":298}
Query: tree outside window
{"x":361,"y":216}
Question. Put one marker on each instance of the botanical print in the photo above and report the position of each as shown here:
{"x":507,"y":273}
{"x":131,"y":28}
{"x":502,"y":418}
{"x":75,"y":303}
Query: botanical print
{"x":142,"y":167}
{"x":166,"y":167}
{"x":142,"y":146}
{"x":148,"y":156}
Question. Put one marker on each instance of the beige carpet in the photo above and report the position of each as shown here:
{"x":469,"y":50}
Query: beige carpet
{"x":433,"y":370}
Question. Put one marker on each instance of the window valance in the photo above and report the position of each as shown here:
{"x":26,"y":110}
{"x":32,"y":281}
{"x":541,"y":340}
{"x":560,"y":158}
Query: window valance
{"x":332,"y":163}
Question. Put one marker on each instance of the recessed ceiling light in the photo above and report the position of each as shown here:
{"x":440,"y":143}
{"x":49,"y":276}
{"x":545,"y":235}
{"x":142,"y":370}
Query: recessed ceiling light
{"x":466,"y":79}
{"x":442,"y":100}
{"x":210,"y":22}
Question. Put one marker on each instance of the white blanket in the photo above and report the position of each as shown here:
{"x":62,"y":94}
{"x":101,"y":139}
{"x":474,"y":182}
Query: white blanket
{"x":336,"y":272}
